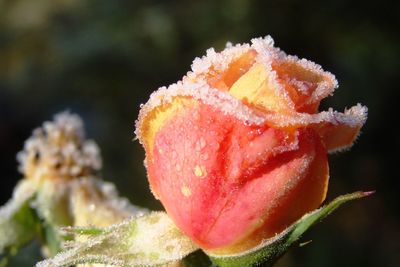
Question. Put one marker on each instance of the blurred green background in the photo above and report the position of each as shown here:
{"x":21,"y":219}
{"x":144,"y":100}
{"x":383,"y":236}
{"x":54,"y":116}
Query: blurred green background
{"x":101,"y":59}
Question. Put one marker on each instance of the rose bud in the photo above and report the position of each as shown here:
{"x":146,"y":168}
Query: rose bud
{"x":237,"y":151}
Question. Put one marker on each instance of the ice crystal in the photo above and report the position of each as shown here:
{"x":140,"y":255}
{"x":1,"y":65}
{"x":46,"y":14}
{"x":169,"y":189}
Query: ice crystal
{"x":219,"y":61}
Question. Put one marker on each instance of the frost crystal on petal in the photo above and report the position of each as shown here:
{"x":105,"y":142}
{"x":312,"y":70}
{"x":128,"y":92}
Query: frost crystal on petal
{"x":218,"y":61}
{"x":294,"y":85}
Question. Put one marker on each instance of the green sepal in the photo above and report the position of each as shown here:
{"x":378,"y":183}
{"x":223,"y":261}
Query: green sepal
{"x":18,"y":225}
{"x":271,"y":249}
{"x":148,"y":240}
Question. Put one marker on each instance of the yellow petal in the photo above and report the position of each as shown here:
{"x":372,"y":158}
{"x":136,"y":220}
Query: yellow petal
{"x":304,"y":81}
{"x":256,"y":88}
{"x":157,"y":116}
{"x":338,"y":137}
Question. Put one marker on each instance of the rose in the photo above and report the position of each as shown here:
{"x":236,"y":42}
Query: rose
{"x":236,"y":151}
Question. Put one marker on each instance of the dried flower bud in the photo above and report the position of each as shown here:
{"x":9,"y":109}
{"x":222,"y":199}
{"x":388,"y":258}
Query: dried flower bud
{"x":59,"y":150}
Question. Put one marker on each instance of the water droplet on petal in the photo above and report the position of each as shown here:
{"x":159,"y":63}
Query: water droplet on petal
{"x":200,"y":171}
{"x":178,"y":167}
{"x":186,"y":191}
{"x":202,"y":143}
{"x":204,"y":156}
{"x":196,"y":114}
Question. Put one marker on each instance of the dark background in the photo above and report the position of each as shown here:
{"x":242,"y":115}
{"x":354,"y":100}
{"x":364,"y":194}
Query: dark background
{"x":101,"y":59}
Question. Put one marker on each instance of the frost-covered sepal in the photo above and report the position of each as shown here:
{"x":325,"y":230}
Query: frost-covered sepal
{"x":18,"y":221}
{"x":148,"y":240}
{"x":271,"y":249}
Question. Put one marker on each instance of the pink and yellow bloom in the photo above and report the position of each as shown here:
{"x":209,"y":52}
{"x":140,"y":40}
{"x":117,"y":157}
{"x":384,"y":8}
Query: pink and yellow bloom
{"x":237,"y":150}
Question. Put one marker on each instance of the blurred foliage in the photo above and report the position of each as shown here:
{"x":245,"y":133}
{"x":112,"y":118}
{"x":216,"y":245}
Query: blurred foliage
{"x":102,"y":59}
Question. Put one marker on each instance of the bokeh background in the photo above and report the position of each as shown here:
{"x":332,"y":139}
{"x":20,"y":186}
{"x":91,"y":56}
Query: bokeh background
{"x":101,"y":59}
